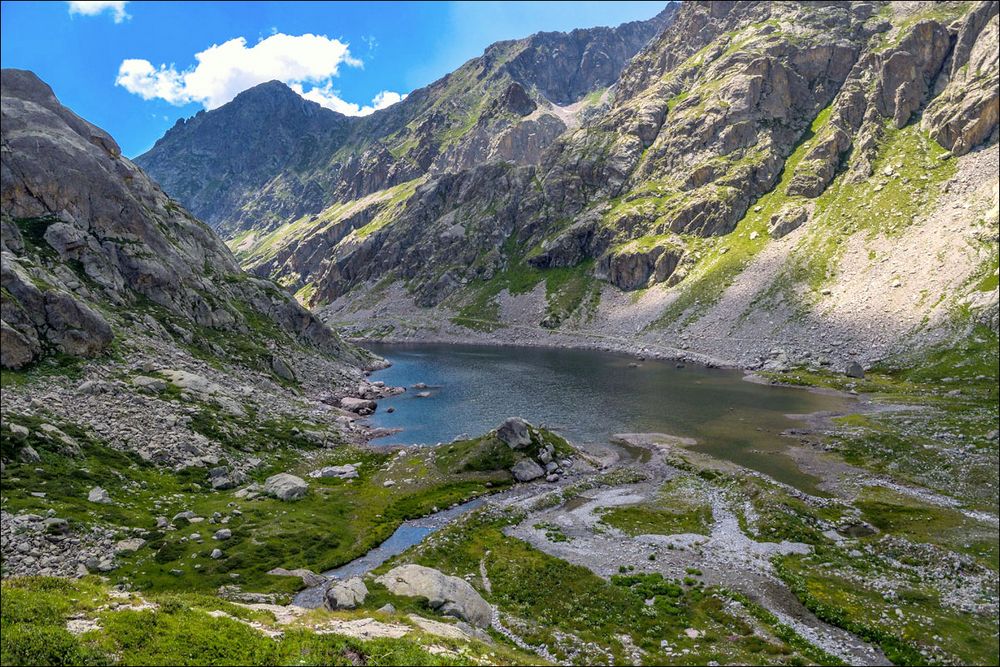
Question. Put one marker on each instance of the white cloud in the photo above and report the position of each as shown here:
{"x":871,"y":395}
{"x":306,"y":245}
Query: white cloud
{"x":326,"y":96}
{"x":95,"y":7}
{"x":225,"y":70}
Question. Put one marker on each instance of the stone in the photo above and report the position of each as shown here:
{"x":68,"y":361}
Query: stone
{"x":348,"y":594}
{"x":360,"y":406}
{"x":216,"y":554}
{"x":284,"y":486}
{"x":787,"y":220}
{"x":29,"y":455}
{"x":99,"y":495}
{"x":448,"y":595}
{"x":222,"y":534}
{"x":309,"y":578}
{"x":347,"y":471}
{"x":222,"y":478}
{"x":282,"y":369}
{"x":514,"y":433}
{"x":526,"y":470}
{"x":387,"y":608}
{"x":854,"y":370}
{"x":56,"y":526}
{"x":149,"y":384}
{"x":18,"y":432}
{"x":129,"y":545}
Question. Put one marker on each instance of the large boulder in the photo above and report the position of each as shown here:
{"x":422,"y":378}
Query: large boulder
{"x":99,"y":496}
{"x":514,"y":432}
{"x":284,"y":486}
{"x":787,"y":220}
{"x":360,"y":406}
{"x":347,"y":594}
{"x":526,"y":470}
{"x":449,"y":595}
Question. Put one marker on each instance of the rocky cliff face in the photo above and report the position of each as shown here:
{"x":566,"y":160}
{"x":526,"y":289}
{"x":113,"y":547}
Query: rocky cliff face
{"x":742,"y":133}
{"x":91,"y":244}
{"x":812,"y":126}
{"x":269,"y":157}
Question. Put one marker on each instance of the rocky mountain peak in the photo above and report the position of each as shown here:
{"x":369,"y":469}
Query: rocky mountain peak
{"x":87,"y":236}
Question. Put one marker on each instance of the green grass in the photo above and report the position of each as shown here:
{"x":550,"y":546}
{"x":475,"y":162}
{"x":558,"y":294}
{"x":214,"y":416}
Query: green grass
{"x":836,"y":594}
{"x":181,"y":631}
{"x":576,"y":613}
{"x":640,"y":520}
{"x":336,"y":522}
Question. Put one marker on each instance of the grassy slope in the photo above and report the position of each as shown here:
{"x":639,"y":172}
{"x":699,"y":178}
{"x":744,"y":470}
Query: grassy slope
{"x":336,"y":521}
{"x":179,"y":629}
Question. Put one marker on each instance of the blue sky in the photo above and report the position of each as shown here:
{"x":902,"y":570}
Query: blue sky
{"x":131,"y":67}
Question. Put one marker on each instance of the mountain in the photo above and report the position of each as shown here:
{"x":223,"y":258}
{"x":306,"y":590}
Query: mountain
{"x":270,"y":157}
{"x":762,"y":181}
{"x":92,"y":248}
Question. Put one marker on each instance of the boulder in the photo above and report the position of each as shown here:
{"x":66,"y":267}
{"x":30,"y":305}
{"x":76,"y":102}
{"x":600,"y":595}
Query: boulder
{"x":282,"y":369}
{"x":448,"y":595}
{"x":149,"y":384}
{"x":526,"y":470}
{"x":99,"y":495}
{"x":360,"y":406}
{"x":129,"y":545}
{"x":222,"y":478}
{"x":346,"y":594}
{"x":56,"y":526}
{"x":342,"y":472}
{"x":514,"y":432}
{"x":222,"y":534}
{"x":787,"y":220}
{"x":854,"y":370}
{"x":29,"y":455}
{"x":284,"y":486}
{"x":308,"y":577}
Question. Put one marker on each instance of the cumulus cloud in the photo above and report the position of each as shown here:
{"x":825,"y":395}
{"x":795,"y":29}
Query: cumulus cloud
{"x":326,"y":96}
{"x":95,"y":7}
{"x":225,"y":70}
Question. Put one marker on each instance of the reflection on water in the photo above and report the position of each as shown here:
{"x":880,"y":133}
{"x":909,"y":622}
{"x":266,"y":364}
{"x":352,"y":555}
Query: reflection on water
{"x":588,"y":396}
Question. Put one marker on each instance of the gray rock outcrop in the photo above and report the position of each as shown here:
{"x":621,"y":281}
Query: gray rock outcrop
{"x":285,"y":486}
{"x":448,"y":595}
{"x":348,"y":594}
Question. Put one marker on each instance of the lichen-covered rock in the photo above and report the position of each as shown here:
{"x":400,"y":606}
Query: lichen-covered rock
{"x":527,"y":470}
{"x":514,"y":433}
{"x":787,"y":220}
{"x":449,"y":595}
{"x":285,"y":486}
{"x":348,"y":594}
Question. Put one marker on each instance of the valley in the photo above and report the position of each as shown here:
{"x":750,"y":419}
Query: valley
{"x":674,"y":342}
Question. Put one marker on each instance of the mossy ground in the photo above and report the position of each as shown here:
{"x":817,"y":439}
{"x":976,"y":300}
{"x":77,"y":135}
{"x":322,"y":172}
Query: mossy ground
{"x":583,"y":618}
{"x":900,"y":594}
{"x":336,"y":521}
{"x":676,"y":511}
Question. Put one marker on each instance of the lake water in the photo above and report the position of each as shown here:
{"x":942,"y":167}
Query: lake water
{"x":588,"y":396}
